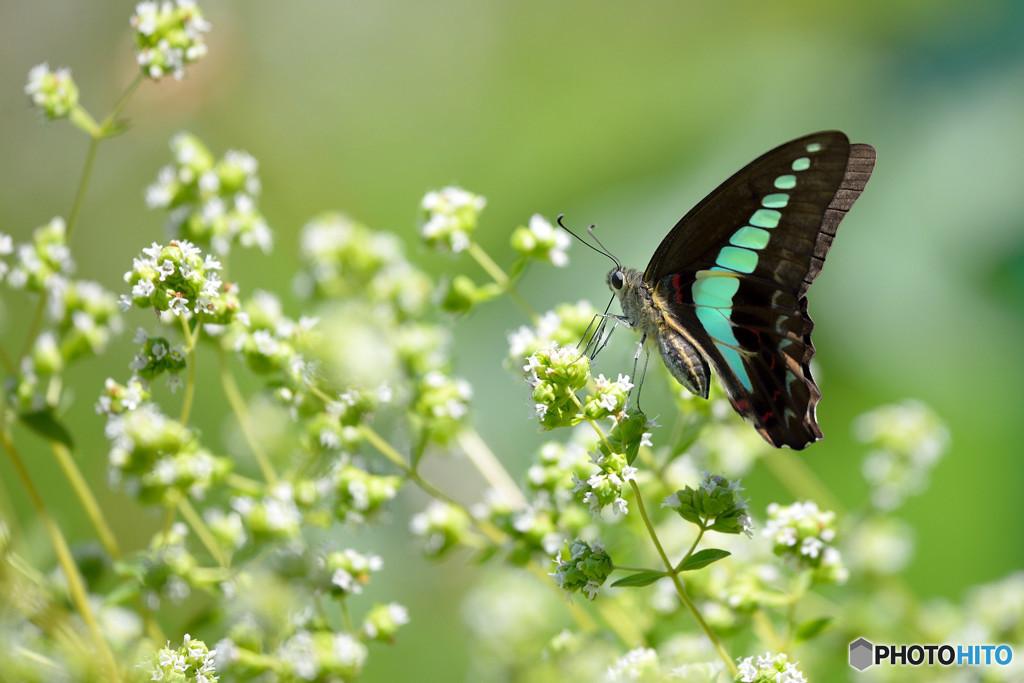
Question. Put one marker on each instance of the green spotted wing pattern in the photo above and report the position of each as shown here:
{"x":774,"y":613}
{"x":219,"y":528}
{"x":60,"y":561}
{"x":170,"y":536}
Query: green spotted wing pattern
{"x":731,"y":279}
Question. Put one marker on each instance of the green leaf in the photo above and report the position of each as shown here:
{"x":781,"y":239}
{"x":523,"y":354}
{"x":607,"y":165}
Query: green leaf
{"x":808,"y":630}
{"x":703,"y":558}
{"x":45,"y":424}
{"x":639,"y":579}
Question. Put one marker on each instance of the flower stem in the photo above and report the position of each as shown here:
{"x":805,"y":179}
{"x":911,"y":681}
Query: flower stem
{"x":489,"y":466}
{"x":501,"y":279}
{"x":241,"y":412}
{"x":680,"y":590}
{"x":190,"y":386}
{"x":76,"y":584}
{"x":86,"y":498}
{"x":195,"y":521}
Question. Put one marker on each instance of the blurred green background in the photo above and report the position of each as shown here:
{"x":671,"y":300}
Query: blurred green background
{"x":623,"y":114}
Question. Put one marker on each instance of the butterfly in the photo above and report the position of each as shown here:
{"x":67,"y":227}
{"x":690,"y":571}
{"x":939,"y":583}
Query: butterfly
{"x":726,"y":289}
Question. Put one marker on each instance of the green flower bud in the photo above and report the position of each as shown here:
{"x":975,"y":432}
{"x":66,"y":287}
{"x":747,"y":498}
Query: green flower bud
{"x":450,"y":216}
{"x":441,"y":403}
{"x":608,"y":399}
{"x":442,"y":526}
{"x":716,"y":504}
{"x":360,"y":494}
{"x":322,"y":655}
{"x":349,"y":571}
{"x":556,"y":373}
{"x":541,"y":241}
{"x":806,"y":536}
{"x":53,"y":92}
{"x":383,"y":621}
{"x":586,"y":569}
{"x":193,"y":661}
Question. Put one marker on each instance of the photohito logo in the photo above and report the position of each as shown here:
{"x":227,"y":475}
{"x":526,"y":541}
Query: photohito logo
{"x":864,"y":653}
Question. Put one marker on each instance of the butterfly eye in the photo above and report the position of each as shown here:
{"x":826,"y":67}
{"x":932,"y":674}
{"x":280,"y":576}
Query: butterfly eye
{"x":617,"y":279}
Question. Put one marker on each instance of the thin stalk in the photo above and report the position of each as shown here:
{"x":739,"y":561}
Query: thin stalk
{"x":241,"y":412}
{"x":501,"y":279}
{"x":195,"y":520}
{"x":76,"y":584}
{"x":190,"y":386}
{"x":489,"y":466}
{"x":86,"y":498}
{"x":680,"y":590}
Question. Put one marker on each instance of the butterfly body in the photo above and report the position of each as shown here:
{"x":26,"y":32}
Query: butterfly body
{"x":726,"y":289}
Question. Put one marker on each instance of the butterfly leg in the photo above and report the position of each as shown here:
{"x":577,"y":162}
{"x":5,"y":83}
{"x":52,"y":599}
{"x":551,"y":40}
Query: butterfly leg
{"x":643,"y":373}
{"x":600,"y":338}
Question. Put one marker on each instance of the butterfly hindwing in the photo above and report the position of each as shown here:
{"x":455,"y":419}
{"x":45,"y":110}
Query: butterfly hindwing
{"x":731,"y":277}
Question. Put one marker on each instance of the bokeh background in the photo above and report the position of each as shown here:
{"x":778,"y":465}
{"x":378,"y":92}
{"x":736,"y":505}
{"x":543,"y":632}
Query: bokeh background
{"x":622,"y":114}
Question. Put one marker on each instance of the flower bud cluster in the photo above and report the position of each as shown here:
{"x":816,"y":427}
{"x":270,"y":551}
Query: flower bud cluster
{"x":608,"y":399}
{"x":540,"y":240}
{"x":275,"y":515}
{"x":556,"y":373}
{"x":716,"y":504}
{"x":441,"y":402}
{"x":193,"y":661}
{"x":53,"y":92}
{"x":152,"y":455}
{"x":442,"y":526}
{"x":179,"y":279}
{"x":349,"y":571}
{"x":343,"y":258}
{"x":168,"y":35}
{"x":359,"y":494}
{"x":907,"y":440}
{"x":768,"y":668}
{"x":565,"y":326}
{"x":269,"y":342}
{"x":450,"y":216}
{"x":157,"y":356}
{"x":604,"y":487}
{"x":212,"y":202}
{"x":382,"y":622}
{"x":42,"y":265}
{"x":81,"y":315}
{"x":806,"y":535}
{"x":540,"y":525}
{"x":586,"y":569}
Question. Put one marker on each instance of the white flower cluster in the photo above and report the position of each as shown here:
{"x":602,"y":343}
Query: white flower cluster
{"x":168,"y":35}
{"x":451,"y":216}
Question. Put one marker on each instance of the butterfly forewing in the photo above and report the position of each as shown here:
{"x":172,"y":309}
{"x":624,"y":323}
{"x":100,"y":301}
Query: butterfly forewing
{"x":731,"y":276}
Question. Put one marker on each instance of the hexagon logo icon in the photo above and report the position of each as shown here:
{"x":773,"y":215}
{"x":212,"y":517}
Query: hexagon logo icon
{"x":861,"y":654}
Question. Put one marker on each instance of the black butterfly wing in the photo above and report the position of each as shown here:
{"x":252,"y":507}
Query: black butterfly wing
{"x":731,"y":276}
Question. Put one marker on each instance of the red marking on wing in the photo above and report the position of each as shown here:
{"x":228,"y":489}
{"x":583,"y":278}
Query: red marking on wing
{"x":675,"y":285}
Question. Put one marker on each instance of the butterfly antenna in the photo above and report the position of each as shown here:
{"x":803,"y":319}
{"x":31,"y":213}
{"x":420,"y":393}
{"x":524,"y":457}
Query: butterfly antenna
{"x":590,"y":230}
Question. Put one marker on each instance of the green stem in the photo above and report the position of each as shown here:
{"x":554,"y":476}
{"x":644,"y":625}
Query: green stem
{"x":7,"y":361}
{"x":86,"y":498}
{"x":190,"y":386}
{"x":693,"y":546}
{"x":493,"y":533}
{"x":489,"y":466}
{"x":501,"y":279}
{"x":680,"y":590}
{"x":194,"y":520}
{"x":76,"y":584}
{"x":241,"y":412}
